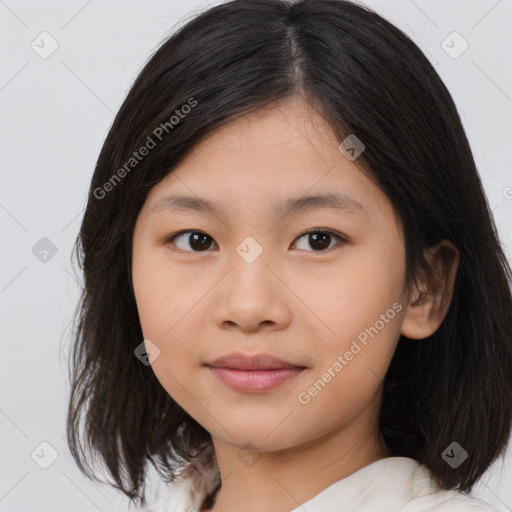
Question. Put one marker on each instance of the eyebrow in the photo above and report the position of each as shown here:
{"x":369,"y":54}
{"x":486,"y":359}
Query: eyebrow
{"x":331,"y":200}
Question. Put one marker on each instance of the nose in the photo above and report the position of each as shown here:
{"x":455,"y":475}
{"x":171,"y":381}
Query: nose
{"x":252,"y":297}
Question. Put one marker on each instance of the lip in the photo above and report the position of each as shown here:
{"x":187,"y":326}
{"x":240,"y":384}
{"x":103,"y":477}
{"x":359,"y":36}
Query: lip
{"x":253,"y":373}
{"x":253,"y":381}
{"x":240,"y":361}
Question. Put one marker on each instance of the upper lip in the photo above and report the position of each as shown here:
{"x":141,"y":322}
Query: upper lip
{"x":241,"y":361}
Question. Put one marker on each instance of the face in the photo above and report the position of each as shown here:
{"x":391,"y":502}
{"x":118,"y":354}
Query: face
{"x":247,"y":277}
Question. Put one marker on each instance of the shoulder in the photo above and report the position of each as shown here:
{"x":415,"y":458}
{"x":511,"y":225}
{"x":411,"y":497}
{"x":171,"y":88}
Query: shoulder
{"x":429,"y":497}
{"x":394,"y":484}
{"x":449,"y":501}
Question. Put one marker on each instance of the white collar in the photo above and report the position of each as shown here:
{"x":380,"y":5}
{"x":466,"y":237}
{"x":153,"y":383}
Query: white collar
{"x":390,"y":484}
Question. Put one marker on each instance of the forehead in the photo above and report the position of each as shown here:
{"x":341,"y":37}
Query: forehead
{"x":275,"y":131}
{"x":271,"y":159}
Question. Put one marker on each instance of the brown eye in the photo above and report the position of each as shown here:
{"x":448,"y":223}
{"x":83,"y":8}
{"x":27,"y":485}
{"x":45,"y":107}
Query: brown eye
{"x":195,"y":240}
{"x":319,"y":240}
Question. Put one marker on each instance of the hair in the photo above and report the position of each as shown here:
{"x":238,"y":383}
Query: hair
{"x":364,"y":76}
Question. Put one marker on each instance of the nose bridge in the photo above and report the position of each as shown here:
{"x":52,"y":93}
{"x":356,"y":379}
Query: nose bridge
{"x":249,"y":250}
{"x":252,"y":295}
{"x":250,"y":262}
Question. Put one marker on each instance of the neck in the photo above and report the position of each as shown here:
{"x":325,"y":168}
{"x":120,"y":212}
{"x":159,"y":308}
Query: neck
{"x":283,"y":480}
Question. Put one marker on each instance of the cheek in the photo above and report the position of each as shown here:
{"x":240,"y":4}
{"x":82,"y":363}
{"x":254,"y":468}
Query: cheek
{"x":161,"y":297}
{"x":360,"y":311}
{"x":170,"y":315}
{"x":352,"y":293}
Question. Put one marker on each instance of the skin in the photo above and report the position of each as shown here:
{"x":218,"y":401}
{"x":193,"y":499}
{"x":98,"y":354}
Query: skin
{"x":302,"y":305}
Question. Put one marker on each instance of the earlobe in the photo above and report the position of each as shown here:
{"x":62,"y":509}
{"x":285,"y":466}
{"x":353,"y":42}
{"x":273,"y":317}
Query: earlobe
{"x":430,"y":300}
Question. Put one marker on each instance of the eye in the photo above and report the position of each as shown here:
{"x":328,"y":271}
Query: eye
{"x":197,"y":240}
{"x":319,"y":239}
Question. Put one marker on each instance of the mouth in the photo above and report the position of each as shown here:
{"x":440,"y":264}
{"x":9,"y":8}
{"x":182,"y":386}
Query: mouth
{"x":253,"y":373}
{"x":253,"y":381}
{"x":239,"y":361}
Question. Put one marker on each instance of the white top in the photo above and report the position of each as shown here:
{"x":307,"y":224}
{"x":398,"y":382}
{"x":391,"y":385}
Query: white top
{"x":387,"y":485}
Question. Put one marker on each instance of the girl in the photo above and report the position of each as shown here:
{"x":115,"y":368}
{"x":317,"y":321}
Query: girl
{"x":295,"y":297}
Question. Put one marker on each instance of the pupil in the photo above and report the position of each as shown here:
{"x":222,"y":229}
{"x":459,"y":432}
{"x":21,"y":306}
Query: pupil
{"x":201,"y":245}
{"x":324,"y":240}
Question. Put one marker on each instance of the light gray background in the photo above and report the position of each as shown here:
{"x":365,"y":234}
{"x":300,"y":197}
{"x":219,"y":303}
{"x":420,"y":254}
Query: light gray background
{"x":55,"y":114}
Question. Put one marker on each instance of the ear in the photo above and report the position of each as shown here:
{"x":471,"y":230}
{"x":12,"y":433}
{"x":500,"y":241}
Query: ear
{"x":429,"y":302}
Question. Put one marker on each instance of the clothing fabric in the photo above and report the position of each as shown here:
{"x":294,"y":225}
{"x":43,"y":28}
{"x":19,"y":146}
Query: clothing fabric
{"x":392,"y":484}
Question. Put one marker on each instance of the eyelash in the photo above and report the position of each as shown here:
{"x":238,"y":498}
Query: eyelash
{"x":170,"y":239}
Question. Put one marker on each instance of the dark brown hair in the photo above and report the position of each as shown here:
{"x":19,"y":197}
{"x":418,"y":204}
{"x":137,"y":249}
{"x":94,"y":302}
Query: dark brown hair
{"x":367,"y":78}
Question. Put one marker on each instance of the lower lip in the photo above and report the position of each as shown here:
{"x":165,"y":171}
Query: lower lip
{"x":255,"y":380}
